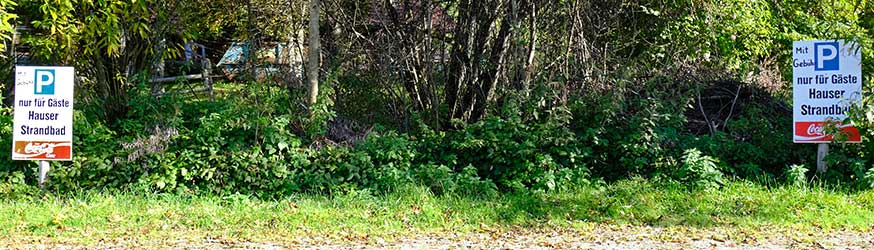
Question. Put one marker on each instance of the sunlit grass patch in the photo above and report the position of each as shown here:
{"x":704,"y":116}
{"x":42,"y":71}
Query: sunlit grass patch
{"x":94,"y":216}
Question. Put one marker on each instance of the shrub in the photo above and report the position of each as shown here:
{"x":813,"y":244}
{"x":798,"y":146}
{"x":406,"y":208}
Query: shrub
{"x":632,"y":131}
{"x":443,"y":180}
{"x":8,"y":168}
{"x":512,"y":154}
{"x":755,"y":142}
{"x":95,"y":148}
{"x":869,"y":178}
{"x":796,"y":175}
{"x":700,"y":170}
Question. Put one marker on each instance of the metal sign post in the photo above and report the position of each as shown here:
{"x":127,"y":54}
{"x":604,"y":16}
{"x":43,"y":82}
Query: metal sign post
{"x":43,"y":172}
{"x":821,"y":152}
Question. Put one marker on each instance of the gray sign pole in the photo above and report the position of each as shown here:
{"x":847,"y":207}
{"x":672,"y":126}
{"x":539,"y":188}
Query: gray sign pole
{"x":43,"y":172}
{"x":821,"y":152}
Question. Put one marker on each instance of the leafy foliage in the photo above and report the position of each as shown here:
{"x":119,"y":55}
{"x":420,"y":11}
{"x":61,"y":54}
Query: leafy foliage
{"x":6,"y":18}
{"x":513,"y":154}
{"x":796,"y":175}
{"x":700,"y":170}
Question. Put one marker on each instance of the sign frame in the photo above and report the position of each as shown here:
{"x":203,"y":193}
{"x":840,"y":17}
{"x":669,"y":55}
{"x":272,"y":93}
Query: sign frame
{"x":826,"y":81}
{"x":43,"y":113}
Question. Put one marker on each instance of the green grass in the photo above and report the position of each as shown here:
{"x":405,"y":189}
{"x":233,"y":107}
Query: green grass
{"x":89,"y":217}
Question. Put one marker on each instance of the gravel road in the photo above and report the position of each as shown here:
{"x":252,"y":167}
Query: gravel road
{"x":624,"y":237}
{"x":598,"y":237}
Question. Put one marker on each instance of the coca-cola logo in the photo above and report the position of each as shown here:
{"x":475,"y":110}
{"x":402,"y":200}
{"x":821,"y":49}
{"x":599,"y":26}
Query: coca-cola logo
{"x":40,"y":148}
{"x":815,"y":129}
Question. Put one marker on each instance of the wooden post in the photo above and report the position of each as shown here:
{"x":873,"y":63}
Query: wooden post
{"x":43,"y":172}
{"x":821,"y":152}
{"x":207,"y":80}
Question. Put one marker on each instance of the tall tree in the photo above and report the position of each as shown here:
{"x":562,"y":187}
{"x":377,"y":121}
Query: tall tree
{"x":313,"y":55}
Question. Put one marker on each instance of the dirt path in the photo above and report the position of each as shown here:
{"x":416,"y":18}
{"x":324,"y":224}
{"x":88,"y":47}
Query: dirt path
{"x":625,"y":238}
{"x":600,"y":237}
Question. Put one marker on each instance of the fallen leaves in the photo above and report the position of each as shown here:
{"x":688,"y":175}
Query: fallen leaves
{"x":583,"y":236}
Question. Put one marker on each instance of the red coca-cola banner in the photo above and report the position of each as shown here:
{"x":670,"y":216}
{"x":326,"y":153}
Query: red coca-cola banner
{"x":42,"y":150}
{"x":814,"y":132}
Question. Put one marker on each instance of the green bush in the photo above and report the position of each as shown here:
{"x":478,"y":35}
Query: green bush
{"x":869,"y":178}
{"x":632,"y":132}
{"x":512,"y":154}
{"x":95,"y":151}
{"x":700,"y":170}
{"x":443,"y":180}
{"x":755,"y":143}
{"x":13,"y":174}
{"x":796,"y":175}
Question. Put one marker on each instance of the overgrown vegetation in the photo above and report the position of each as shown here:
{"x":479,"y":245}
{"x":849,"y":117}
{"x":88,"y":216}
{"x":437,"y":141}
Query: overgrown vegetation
{"x":531,"y":97}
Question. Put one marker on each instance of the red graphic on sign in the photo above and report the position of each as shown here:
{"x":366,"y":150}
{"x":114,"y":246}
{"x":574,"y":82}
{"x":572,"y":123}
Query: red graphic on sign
{"x":814,"y":132}
{"x":42,"y":150}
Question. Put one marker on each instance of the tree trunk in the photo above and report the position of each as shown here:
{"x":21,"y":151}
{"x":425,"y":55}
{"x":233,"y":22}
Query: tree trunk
{"x":459,"y":58}
{"x":313,"y":55}
{"x":296,"y":67}
{"x":492,"y":75}
{"x":158,"y":67}
{"x":411,"y":76}
{"x":482,"y":22}
{"x":428,"y":11}
{"x":529,"y":64}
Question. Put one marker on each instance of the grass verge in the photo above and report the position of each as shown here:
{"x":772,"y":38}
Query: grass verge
{"x":92,"y":217}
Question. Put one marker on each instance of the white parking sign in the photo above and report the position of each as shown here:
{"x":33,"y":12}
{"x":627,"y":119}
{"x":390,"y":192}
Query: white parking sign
{"x":826,"y":82}
{"x":43,"y":126}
